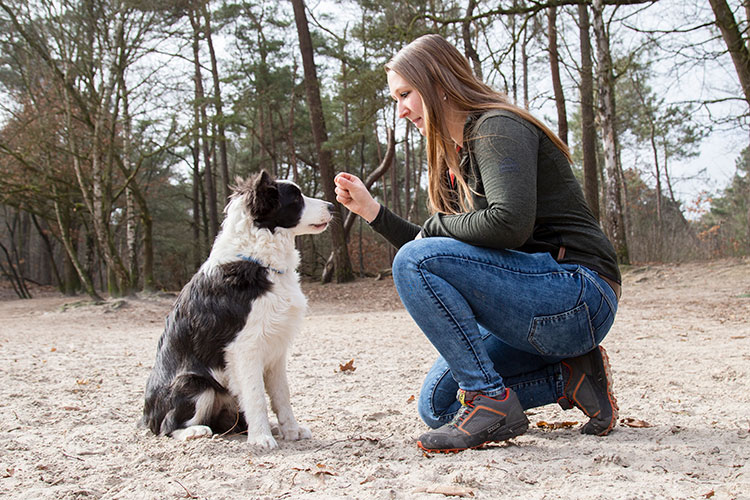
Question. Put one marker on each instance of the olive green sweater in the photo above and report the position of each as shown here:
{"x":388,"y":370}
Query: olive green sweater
{"x":526,"y":198}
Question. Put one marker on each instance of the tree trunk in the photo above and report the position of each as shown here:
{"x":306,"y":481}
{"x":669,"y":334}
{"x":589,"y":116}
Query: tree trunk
{"x":368,"y":182}
{"x":218,"y":105}
{"x":43,"y":234}
{"x":469,"y":51}
{"x":290,"y":128}
{"x":210,"y":187}
{"x":395,"y":198}
{"x":588,"y":123}
{"x":197,"y":253}
{"x":131,"y":219}
{"x":554,"y":62}
{"x":525,"y":66}
{"x":613,"y":222}
{"x":730,"y":31}
{"x":407,"y":173}
{"x":343,"y":267}
{"x":14,"y":271}
{"x":514,"y":37}
{"x":66,"y":237}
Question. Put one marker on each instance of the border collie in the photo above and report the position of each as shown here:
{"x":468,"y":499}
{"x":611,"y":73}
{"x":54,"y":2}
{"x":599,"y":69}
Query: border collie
{"x":227,"y":335}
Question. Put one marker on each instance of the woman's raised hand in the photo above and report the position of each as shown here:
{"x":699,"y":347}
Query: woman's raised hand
{"x":352,"y":193}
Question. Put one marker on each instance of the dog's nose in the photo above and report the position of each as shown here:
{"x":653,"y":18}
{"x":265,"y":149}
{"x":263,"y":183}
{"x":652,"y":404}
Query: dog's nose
{"x":331,"y":207}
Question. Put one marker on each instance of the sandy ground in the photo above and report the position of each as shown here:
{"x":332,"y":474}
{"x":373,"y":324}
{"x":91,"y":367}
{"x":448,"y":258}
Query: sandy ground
{"x":73,"y":374}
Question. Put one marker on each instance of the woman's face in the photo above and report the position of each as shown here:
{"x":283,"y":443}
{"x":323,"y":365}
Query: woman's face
{"x":408,"y":100}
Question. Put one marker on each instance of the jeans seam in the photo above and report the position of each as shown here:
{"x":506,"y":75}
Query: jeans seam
{"x":591,"y":279}
{"x":473,"y":260}
{"x":452,"y":318}
{"x":433,"y":410}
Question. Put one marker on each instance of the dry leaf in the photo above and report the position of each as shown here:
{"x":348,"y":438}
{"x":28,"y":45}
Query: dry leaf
{"x":348,"y":367}
{"x":709,"y":494}
{"x":323,"y":471}
{"x":555,"y":425}
{"x":634,"y":422}
{"x":447,"y":490}
{"x":411,"y":399}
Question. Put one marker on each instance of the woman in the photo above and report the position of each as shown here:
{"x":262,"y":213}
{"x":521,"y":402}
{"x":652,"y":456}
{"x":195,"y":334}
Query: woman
{"x":511,"y":278}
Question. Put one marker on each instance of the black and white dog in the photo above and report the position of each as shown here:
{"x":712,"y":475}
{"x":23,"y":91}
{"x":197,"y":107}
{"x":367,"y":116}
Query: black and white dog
{"x":229,"y":330}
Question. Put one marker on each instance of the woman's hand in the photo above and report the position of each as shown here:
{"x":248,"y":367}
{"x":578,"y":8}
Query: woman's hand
{"x":352,"y":193}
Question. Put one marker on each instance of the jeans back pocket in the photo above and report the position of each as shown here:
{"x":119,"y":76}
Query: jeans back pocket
{"x":565,"y":335}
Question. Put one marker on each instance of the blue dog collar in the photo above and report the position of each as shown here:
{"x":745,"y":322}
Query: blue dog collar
{"x":256,"y":261}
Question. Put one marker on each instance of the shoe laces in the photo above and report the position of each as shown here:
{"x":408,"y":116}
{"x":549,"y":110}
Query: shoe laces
{"x":466,"y":407}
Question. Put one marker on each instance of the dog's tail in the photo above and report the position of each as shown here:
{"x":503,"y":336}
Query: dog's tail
{"x":167,"y":408}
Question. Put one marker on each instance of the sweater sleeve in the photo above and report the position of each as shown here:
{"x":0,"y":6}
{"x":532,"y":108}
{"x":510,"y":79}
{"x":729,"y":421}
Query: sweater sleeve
{"x":397,"y":231}
{"x":505,"y":147}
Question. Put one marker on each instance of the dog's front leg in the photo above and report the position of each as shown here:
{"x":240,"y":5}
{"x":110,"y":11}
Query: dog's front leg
{"x":247,"y":385}
{"x":277,"y":387}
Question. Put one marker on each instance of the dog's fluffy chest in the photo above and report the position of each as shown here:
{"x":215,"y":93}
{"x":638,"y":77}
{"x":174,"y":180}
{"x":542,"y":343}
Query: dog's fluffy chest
{"x":273,"y":319}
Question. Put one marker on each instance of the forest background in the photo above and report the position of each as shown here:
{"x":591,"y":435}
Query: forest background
{"x":123,"y":123}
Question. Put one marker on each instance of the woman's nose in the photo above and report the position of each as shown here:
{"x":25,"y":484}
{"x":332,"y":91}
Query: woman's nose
{"x":402,"y":110}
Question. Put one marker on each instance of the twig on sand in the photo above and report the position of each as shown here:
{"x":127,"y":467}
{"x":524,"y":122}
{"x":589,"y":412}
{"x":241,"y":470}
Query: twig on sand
{"x":73,"y":456}
{"x":187,"y":491}
{"x":352,"y":439}
{"x":234,"y":426}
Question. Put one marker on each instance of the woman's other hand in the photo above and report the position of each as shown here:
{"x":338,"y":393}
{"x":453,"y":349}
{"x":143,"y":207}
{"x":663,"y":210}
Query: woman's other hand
{"x":352,"y":193}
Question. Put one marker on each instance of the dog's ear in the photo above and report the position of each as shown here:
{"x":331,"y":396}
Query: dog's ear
{"x":263,"y":197}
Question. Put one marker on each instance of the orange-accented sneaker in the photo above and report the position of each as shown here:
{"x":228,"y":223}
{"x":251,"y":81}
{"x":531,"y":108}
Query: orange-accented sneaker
{"x":589,"y":388}
{"x":482,"y":419}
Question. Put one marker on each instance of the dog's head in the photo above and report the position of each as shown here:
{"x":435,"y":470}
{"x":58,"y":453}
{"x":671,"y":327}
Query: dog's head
{"x":273,"y":204}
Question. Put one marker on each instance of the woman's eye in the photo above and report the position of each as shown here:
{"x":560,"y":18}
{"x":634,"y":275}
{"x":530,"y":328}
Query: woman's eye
{"x":404,"y":94}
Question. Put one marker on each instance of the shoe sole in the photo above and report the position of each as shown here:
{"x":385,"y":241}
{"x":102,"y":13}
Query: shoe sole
{"x":512,"y":432}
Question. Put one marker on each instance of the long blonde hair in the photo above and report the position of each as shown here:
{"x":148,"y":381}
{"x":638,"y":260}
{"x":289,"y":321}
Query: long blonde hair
{"x":435,"y":68}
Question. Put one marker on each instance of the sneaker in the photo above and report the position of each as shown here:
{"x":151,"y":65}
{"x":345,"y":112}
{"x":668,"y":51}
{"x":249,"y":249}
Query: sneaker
{"x":482,"y":419}
{"x":589,"y":388}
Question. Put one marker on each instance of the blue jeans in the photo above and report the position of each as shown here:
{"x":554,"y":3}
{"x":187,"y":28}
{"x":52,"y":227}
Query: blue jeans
{"x":498,"y":318}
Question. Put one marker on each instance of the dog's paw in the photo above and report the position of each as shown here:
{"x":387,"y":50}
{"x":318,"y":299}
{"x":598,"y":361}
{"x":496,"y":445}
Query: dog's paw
{"x":262,"y":442}
{"x":296,"y":433}
{"x":192,"y":432}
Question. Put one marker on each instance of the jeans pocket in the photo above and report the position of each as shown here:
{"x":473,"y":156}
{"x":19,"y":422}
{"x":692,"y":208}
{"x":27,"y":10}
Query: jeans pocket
{"x":564,"y":335}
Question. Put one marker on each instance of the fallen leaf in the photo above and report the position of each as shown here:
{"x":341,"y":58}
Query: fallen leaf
{"x":323,"y":471}
{"x":348,"y":367}
{"x":368,"y":479}
{"x":411,"y":399}
{"x":447,"y":490}
{"x":634,"y":422}
{"x":555,"y":425}
{"x":709,"y":494}
{"x":53,"y":349}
